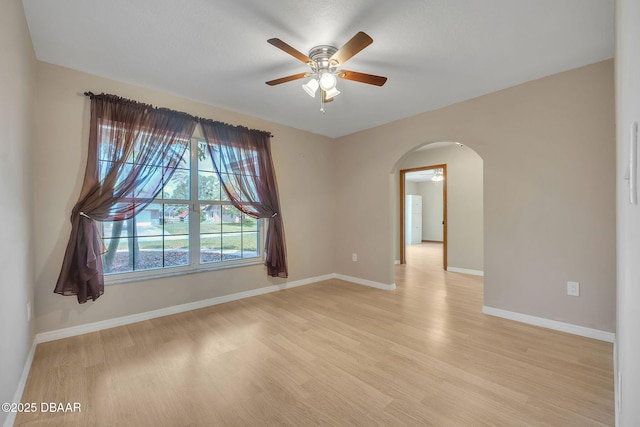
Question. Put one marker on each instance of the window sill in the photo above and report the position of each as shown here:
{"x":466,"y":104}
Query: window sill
{"x":159,"y":274}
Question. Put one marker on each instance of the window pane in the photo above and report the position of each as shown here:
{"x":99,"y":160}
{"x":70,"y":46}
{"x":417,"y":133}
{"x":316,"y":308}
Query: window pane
{"x":150,"y":180}
{"x":120,"y":244}
{"x":250,"y":245}
{"x":231,"y":219}
{"x":106,"y":150}
{"x":250,"y":237}
{"x":148,"y":245}
{"x":148,"y":253}
{"x":148,"y":222}
{"x":117,"y":259}
{"x":210,"y":227}
{"x":208,"y":186}
{"x":115,"y":229}
{"x":248,"y":164}
{"x":210,"y":248}
{"x":204,"y":158}
{"x":231,"y":246}
{"x":185,"y":160}
{"x":176,"y":251}
{"x":176,"y":219}
{"x":249,"y":223}
{"x":223,"y":194}
{"x":125,"y":250}
{"x":210,"y":219}
{"x":103,"y":168}
{"x":179,"y":186}
{"x":176,"y":232}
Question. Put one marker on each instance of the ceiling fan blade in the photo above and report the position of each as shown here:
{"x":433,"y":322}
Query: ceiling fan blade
{"x":287,"y":79}
{"x":350,"y":48}
{"x":290,"y":50}
{"x":362,"y":77}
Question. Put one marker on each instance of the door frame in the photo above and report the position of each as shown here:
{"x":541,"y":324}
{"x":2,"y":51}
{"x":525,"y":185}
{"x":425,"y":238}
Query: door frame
{"x":403,"y":172}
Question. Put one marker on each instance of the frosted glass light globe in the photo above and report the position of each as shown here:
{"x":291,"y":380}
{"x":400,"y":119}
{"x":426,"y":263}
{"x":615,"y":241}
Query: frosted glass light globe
{"x":327,"y":81}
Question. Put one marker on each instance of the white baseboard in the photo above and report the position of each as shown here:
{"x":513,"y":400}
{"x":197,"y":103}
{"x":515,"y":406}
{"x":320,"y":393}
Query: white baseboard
{"x":465,"y":271}
{"x":17,"y":397}
{"x":396,"y":262}
{"x":139,"y":317}
{"x":365,"y":282}
{"x":616,"y":383}
{"x":551,"y":324}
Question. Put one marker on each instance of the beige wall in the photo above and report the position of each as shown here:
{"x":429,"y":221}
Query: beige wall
{"x":432,"y":193}
{"x":17,"y":77}
{"x":548,"y":157}
{"x":464,"y":202}
{"x":548,"y":151}
{"x":411,"y":188}
{"x":303,"y":163}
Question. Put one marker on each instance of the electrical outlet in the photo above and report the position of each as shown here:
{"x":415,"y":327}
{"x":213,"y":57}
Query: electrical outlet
{"x":354,"y":257}
{"x":573,"y":289}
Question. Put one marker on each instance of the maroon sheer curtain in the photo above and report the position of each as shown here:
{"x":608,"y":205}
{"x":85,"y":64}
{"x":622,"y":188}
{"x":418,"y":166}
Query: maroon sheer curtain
{"x":133,"y":150}
{"x":242,"y":160}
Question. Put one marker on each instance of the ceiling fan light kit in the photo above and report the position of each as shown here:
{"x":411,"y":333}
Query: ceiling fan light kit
{"x":332,"y":93}
{"x":327,"y":80}
{"x":324,"y":61}
{"x":311,"y":87}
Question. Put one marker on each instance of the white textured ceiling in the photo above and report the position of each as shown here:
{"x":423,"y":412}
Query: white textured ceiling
{"x":434,"y":52}
{"x":420,"y":176}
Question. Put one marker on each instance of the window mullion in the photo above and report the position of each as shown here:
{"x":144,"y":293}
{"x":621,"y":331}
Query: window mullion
{"x":194,"y":222}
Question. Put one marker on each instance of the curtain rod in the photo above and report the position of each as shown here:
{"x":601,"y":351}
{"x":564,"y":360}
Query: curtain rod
{"x":196,"y":118}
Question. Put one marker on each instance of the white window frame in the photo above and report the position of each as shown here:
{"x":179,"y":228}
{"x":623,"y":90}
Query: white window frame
{"x":194,"y":266}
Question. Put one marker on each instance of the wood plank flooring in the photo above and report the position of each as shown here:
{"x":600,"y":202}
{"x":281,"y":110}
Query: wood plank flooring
{"x":331,"y":353}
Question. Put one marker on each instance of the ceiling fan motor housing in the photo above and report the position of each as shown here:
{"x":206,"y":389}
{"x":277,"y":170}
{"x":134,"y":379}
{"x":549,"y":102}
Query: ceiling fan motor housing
{"x":320,"y":58}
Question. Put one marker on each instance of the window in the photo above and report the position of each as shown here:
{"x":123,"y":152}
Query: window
{"x":190,"y":226}
{"x":133,"y":153}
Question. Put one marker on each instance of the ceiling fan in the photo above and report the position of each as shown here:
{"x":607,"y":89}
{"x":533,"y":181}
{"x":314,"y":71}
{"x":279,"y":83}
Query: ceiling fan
{"x":325,"y":62}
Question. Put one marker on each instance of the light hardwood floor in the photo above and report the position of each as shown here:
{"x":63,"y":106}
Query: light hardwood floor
{"x":331,"y":353}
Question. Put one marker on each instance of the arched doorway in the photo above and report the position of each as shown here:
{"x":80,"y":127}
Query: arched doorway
{"x":412,"y":223}
{"x":463,"y":228}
